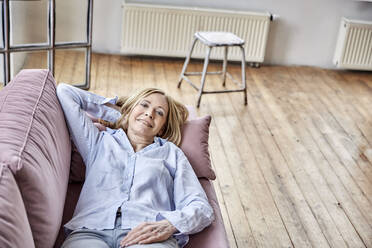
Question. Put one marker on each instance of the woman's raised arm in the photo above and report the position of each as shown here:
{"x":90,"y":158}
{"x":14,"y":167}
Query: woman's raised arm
{"x":75,"y":103}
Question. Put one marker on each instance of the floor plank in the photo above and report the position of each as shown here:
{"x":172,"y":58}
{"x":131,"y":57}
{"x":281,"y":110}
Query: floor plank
{"x":288,"y":98}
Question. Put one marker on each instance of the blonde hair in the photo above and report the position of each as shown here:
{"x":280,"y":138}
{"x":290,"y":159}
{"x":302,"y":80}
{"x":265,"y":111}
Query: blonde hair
{"x":176,"y":117}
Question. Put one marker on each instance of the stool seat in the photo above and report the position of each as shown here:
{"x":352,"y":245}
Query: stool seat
{"x":219,"y":39}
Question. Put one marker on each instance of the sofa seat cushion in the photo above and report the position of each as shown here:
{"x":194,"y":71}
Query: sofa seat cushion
{"x":72,"y":197}
{"x":35,"y":145}
{"x":15,"y":230}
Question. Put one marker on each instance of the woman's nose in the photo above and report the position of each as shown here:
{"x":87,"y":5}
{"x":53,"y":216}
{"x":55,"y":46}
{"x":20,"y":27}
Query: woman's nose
{"x":149,"y":114}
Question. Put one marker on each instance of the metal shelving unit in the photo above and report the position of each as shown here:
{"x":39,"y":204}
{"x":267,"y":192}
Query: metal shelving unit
{"x":51,"y":45}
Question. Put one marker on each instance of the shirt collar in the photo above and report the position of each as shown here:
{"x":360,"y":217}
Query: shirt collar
{"x":157,"y":140}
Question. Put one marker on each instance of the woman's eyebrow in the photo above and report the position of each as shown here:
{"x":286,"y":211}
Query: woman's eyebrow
{"x":161,"y":108}
{"x":144,"y":100}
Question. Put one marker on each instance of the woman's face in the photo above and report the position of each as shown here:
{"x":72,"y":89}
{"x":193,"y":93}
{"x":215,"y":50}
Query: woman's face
{"x":149,"y":116}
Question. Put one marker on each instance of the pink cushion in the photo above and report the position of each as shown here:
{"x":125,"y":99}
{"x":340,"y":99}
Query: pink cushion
{"x":35,"y":145}
{"x":194,"y":144}
{"x":15,"y":230}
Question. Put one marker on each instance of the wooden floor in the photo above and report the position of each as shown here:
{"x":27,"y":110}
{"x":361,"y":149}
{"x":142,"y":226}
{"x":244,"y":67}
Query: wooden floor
{"x":294,"y":166}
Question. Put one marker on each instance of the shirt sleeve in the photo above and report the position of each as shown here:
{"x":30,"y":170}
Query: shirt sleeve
{"x":75,"y":103}
{"x":192,"y":210}
{"x":95,"y":106}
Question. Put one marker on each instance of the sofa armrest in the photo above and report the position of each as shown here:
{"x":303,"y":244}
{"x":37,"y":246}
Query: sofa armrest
{"x":214,"y":236}
{"x":15,"y":230}
{"x":35,"y":146}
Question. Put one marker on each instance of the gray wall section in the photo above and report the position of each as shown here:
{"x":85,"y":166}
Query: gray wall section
{"x":305,"y":32}
{"x":107,"y":22}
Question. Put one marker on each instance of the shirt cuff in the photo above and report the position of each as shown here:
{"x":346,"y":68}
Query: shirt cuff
{"x":110,"y":100}
{"x":172,"y":218}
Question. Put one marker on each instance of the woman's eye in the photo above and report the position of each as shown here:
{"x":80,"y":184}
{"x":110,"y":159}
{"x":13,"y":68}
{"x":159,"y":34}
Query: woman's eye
{"x":144,"y":105}
{"x":160,"y":113}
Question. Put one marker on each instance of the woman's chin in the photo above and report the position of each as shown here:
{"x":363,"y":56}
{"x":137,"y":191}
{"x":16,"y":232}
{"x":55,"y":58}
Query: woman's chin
{"x":145,"y":132}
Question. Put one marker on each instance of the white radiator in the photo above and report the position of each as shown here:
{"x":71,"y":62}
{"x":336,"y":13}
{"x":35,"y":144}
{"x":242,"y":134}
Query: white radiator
{"x":168,"y":31}
{"x":354,"y":45}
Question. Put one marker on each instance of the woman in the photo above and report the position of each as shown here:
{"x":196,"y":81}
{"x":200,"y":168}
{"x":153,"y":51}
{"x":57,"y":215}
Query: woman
{"x":140,"y":190}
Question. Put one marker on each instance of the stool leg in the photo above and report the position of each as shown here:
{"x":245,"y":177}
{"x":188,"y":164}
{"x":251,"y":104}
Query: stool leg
{"x":224,"y":66}
{"x":243,"y":76}
{"x":186,"y":63}
{"x":204,"y":73}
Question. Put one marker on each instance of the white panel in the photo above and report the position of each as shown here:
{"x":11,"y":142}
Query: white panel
{"x":168,"y":31}
{"x":354,"y":45}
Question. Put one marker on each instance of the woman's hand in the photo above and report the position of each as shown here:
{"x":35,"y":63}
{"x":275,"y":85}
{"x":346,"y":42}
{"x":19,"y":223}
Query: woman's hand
{"x":149,"y":232}
{"x":116,"y":107}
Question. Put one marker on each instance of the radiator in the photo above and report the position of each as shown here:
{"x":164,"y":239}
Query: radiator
{"x":168,"y":31}
{"x":354,"y":45}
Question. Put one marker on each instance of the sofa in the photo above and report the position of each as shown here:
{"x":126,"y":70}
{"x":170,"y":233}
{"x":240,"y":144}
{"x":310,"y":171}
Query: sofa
{"x":41,"y":174}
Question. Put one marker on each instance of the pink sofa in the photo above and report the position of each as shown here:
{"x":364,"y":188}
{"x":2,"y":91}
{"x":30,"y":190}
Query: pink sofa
{"x":36,"y":195}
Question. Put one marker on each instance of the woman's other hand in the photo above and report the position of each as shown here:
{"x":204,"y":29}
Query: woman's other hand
{"x":149,"y":232}
{"x":116,"y":107}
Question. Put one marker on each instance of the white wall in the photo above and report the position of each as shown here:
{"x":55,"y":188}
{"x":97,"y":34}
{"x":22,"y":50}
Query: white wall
{"x":304,"y":34}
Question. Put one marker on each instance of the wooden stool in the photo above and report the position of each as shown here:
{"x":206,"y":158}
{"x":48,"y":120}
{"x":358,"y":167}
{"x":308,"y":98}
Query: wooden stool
{"x":215,"y":39}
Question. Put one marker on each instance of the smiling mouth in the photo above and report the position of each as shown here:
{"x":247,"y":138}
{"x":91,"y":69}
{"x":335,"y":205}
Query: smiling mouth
{"x":145,"y":123}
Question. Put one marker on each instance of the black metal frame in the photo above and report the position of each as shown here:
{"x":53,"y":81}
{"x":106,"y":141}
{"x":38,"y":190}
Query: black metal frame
{"x":51,"y":45}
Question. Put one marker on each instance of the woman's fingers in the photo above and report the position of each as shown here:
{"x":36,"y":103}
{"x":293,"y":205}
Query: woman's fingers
{"x":139,"y":239}
{"x":136,"y":232}
{"x":156,"y":237}
{"x":113,"y":106}
{"x":149,"y":232}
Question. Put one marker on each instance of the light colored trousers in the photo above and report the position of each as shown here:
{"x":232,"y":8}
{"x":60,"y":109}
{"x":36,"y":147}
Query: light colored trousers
{"x":108,"y":239}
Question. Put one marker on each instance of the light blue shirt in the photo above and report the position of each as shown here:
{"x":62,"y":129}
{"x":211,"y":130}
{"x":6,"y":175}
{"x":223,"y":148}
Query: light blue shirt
{"x":152,"y":184}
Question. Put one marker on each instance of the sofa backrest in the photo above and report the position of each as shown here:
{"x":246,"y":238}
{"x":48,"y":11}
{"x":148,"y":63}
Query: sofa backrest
{"x":35,"y":147}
